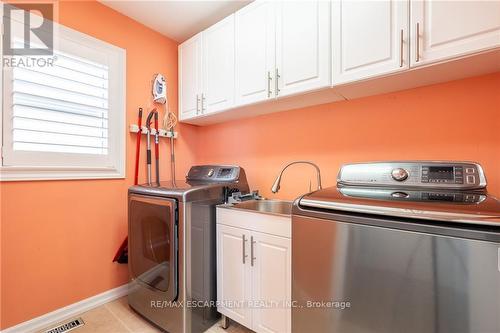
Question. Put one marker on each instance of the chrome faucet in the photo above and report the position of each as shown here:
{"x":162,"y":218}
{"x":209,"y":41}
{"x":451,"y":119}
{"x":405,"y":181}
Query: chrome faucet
{"x":276,"y":184}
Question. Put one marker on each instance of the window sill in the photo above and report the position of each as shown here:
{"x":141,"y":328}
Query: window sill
{"x":58,"y":173}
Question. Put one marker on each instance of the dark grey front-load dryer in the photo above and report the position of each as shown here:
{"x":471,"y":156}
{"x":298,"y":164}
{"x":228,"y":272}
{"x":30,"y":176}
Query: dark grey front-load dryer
{"x":172,"y":247}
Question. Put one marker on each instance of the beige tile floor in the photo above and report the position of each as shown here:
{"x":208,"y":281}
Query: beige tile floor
{"x":118,"y":317}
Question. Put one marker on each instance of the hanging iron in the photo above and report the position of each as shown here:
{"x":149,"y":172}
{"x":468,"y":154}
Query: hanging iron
{"x":159,"y":89}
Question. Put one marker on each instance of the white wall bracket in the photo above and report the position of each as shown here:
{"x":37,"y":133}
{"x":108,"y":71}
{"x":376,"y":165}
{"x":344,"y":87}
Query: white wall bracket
{"x":163,"y":133}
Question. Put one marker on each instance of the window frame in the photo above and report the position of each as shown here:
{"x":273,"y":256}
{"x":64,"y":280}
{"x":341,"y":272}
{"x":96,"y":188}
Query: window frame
{"x":113,"y":165}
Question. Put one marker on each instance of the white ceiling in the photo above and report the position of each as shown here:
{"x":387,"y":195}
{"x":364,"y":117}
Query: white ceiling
{"x":178,"y":20}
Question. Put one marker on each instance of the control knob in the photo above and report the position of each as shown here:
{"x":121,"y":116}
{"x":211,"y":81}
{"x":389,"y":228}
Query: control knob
{"x":399,"y":174}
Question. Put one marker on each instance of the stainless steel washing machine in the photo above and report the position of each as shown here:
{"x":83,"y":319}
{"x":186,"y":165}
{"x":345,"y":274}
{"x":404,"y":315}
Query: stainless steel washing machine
{"x":404,"y":246}
{"x":172,"y":259}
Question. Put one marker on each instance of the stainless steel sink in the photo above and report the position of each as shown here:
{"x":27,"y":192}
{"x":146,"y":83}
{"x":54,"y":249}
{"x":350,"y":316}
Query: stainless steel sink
{"x":274,"y":207}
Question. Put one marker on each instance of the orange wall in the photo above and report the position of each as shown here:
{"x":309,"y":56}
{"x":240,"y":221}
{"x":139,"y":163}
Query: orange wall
{"x":458,"y":120}
{"x":59,"y":237}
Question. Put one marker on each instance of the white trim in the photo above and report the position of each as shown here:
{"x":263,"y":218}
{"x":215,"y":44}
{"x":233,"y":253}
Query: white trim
{"x":69,"y":311}
{"x":57,"y":173}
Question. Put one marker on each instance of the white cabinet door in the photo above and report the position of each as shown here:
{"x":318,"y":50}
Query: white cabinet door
{"x":369,"y":38}
{"x":218,"y":66}
{"x":255,"y":52}
{"x":190,"y":77}
{"x":302,"y":46}
{"x":234,"y":273}
{"x":448,"y":29}
{"x":271,"y":280}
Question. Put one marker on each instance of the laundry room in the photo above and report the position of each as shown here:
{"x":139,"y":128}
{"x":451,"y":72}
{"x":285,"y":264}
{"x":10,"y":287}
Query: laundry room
{"x":250,"y":166}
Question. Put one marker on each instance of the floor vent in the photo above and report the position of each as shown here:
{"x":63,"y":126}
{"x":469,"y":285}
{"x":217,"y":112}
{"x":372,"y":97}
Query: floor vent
{"x":66,"y":327}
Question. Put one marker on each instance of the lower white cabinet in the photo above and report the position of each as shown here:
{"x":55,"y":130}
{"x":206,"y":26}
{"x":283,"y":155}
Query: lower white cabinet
{"x":271,"y":282}
{"x":234,"y":274}
{"x":254,"y":277}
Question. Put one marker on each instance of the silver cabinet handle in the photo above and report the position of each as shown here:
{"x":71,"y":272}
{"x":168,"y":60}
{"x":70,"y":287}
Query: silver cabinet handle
{"x":243,"y":242}
{"x":269,"y":79}
{"x":401,"y":49}
{"x":203,"y":100}
{"x":499,"y":259}
{"x":252,"y":258}
{"x":277,"y":82}
{"x":417,"y":48}
{"x":197,"y":103}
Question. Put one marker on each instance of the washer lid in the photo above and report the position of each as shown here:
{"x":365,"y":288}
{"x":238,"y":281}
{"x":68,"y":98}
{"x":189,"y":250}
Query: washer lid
{"x":446,"y":206}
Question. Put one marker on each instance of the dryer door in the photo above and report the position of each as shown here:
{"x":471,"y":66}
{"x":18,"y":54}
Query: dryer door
{"x":153,"y":243}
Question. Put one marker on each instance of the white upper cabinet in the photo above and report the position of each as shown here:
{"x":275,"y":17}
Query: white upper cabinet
{"x":218,"y":66}
{"x":445,"y":29}
{"x":269,"y":50}
{"x":302,"y":46}
{"x":190,"y":76}
{"x":255,"y":52}
{"x":369,"y":38}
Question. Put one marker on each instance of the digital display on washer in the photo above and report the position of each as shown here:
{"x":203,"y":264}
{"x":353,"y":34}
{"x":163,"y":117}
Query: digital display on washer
{"x":225,"y":173}
{"x":439,"y":172}
{"x":441,"y":197}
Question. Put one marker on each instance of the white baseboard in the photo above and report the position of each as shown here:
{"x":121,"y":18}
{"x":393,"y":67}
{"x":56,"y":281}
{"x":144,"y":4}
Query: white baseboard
{"x":67,"y":312}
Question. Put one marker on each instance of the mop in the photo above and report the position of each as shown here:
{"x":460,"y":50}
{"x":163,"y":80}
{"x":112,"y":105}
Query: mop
{"x":148,"y":143}
{"x":138,"y":147}
{"x":157,"y":151}
{"x":121,"y":255}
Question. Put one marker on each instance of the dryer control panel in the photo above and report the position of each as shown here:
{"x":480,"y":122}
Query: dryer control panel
{"x":424,"y":174}
{"x":214,"y":173}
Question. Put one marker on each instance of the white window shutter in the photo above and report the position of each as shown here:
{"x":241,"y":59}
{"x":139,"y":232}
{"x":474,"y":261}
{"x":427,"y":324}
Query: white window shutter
{"x":61,"y":109}
{"x":67,"y":120}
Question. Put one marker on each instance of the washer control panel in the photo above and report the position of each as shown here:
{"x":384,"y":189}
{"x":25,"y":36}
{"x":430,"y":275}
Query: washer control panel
{"x":425,"y":174}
